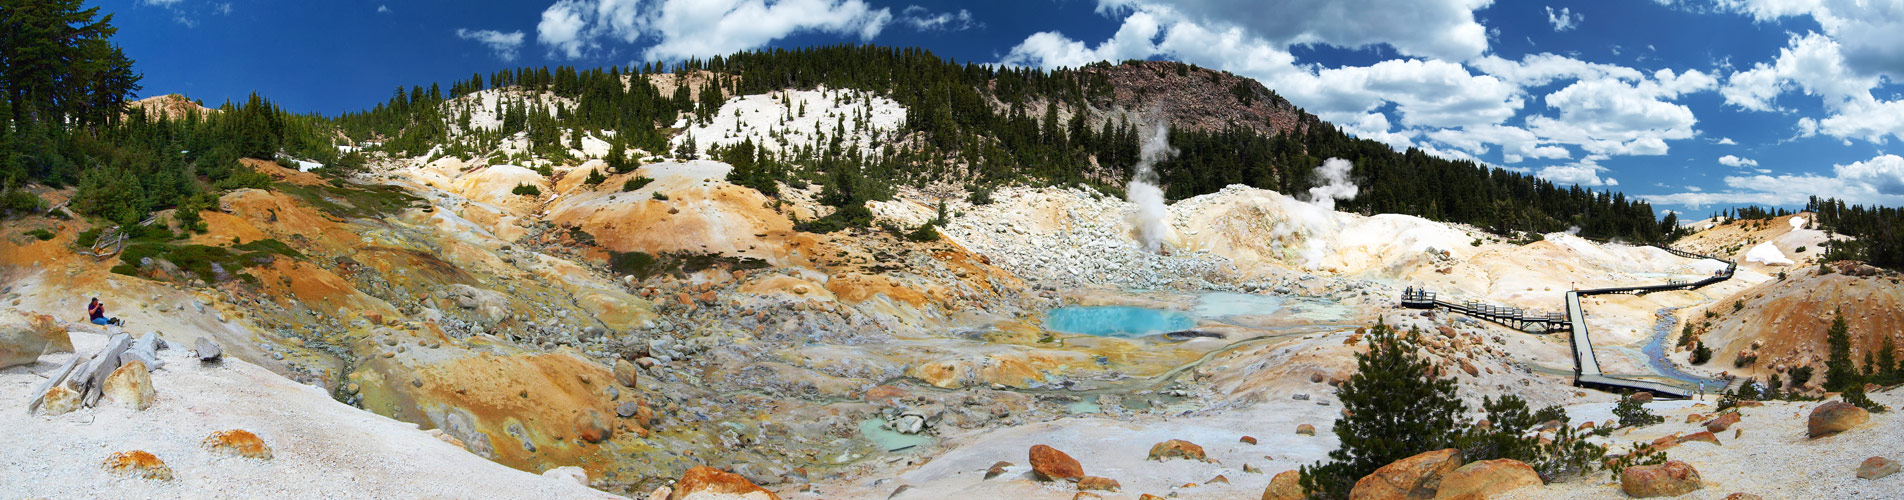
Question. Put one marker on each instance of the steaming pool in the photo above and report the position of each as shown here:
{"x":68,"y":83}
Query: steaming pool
{"x":1226,"y":307}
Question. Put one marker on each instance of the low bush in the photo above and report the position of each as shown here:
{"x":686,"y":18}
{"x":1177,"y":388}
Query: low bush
{"x":1633,"y":414}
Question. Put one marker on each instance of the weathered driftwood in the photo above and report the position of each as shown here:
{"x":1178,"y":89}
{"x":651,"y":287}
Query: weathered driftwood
{"x":39,"y":393}
{"x":145,"y":349}
{"x":93,"y":377}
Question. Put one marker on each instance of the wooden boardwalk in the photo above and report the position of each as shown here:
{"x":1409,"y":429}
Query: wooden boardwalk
{"x":1586,"y":366}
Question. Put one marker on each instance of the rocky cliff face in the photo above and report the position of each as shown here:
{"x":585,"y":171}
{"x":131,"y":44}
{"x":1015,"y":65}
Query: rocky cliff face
{"x":1198,"y":98}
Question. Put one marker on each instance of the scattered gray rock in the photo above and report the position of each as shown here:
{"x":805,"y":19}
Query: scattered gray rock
{"x":627,"y":409}
{"x":208,"y":351}
{"x":910,"y":423}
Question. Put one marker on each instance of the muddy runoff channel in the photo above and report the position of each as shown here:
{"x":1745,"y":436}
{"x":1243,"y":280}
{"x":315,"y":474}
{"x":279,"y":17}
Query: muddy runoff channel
{"x":1661,"y":368}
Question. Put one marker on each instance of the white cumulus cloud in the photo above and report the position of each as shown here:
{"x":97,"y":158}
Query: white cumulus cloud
{"x":1734,"y":161}
{"x":922,"y":19}
{"x":504,"y":45}
{"x":1442,"y":29}
{"x":699,"y":28}
{"x":1877,"y":181}
{"x":1564,"y":19}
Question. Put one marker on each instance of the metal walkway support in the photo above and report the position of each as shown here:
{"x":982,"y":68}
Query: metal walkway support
{"x":1586,"y":366}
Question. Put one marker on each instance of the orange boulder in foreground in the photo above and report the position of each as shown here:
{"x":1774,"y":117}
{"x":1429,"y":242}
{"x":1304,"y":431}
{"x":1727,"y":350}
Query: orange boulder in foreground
{"x":1049,"y":464}
{"x":708,"y":482}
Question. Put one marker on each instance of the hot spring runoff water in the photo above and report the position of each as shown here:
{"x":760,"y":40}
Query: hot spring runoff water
{"x":1116,"y":321}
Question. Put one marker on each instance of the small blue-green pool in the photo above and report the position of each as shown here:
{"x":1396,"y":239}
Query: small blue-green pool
{"x":1116,"y":321}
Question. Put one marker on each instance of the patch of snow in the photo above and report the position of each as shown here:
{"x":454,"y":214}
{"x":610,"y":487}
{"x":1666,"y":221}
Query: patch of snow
{"x":1767,"y":254}
{"x":796,"y":119}
{"x":1797,"y":222}
{"x":483,"y":107}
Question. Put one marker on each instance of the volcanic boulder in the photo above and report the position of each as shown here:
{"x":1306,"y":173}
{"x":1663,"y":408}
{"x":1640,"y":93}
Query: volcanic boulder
{"x":1834,"y":417}
{"x":1670,"y":479}
{"x":138,"y":463}
{"x":1418,"y":476}
{"x":237,"y":442}
{"x":130,"y":386}
{"x":1049,"y":464}
{"x":1177,"y":448}
{"x":1487,"y":478}
{"x":708,"y":483}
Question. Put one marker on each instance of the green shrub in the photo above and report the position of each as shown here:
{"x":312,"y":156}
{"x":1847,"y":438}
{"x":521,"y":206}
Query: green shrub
{"x":88,"y":237}
{"x":1856,"y":397}
{"x":40,"y":234}
{"x":981,"y":196}
{"x":639,"y":264}
{"x":526,"y":190}
{"x":635,"y":183}
{"x":576,"y":233}
{"x":1638,"y":454}
{"x":1700,"y":354}
{"x":642,"y":265}
{"x":350,"y":200}
{"x":1799,"y":375}
{"x":595,"y":177}
{"x":18,"y":200}
{"x":925,"y":234}
{"x":659,"y":196}
{"x":1633,"y":414}
{"x":201,"y":261}
{"x":1509,"y":435}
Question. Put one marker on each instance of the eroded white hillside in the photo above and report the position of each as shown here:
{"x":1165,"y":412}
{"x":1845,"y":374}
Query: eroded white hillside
{"x":796,"y":119}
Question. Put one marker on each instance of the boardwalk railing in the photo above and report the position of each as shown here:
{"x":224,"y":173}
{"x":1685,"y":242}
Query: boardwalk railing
{"x":1586,"y":366}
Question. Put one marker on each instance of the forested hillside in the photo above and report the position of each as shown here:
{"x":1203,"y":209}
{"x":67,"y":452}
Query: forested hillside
{"x":966,"y":124}
{"x":64,"y":122}
{"x":981,"y":125}
{"x":1879,"y":231}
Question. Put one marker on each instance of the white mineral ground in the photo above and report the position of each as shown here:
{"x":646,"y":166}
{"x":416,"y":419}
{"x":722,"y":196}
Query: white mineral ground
{"x":321,"y":448}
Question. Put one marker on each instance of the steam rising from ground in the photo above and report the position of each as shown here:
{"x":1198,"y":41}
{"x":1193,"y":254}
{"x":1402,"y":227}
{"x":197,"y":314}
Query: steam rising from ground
{"x":1316,"y":215}
{"x":1334,"y":174}
{"x":1150,"y":219}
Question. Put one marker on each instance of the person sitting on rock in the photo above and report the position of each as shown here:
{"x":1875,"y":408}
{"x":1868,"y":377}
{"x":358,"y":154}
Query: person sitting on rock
{"x":96,"y":313}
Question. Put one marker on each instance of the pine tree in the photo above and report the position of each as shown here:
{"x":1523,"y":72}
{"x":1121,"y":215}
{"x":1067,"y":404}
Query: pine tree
{"x":1887,"y":363}
{"x":618,"y":156}
{"x":1395,"y":409}
{"x":1840,"y":372}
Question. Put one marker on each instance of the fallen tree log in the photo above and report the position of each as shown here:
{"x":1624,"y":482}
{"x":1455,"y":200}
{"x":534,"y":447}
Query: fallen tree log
{"x":39,"y":393}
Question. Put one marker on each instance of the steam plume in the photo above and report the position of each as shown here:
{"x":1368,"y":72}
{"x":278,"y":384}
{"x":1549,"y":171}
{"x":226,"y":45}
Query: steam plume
{"x":1334,"y":175}
{"x":1316,"y":215}
{"x":1143,"y":190}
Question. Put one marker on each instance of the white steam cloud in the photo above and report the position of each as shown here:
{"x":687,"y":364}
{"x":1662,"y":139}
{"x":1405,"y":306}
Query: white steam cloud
{"x":1334,"y":176}
{"x":1150,"y":219}
{"x":1315,"y":217}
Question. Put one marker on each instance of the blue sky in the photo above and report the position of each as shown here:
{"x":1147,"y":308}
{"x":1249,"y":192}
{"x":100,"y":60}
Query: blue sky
{"x":1692,"y":104}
